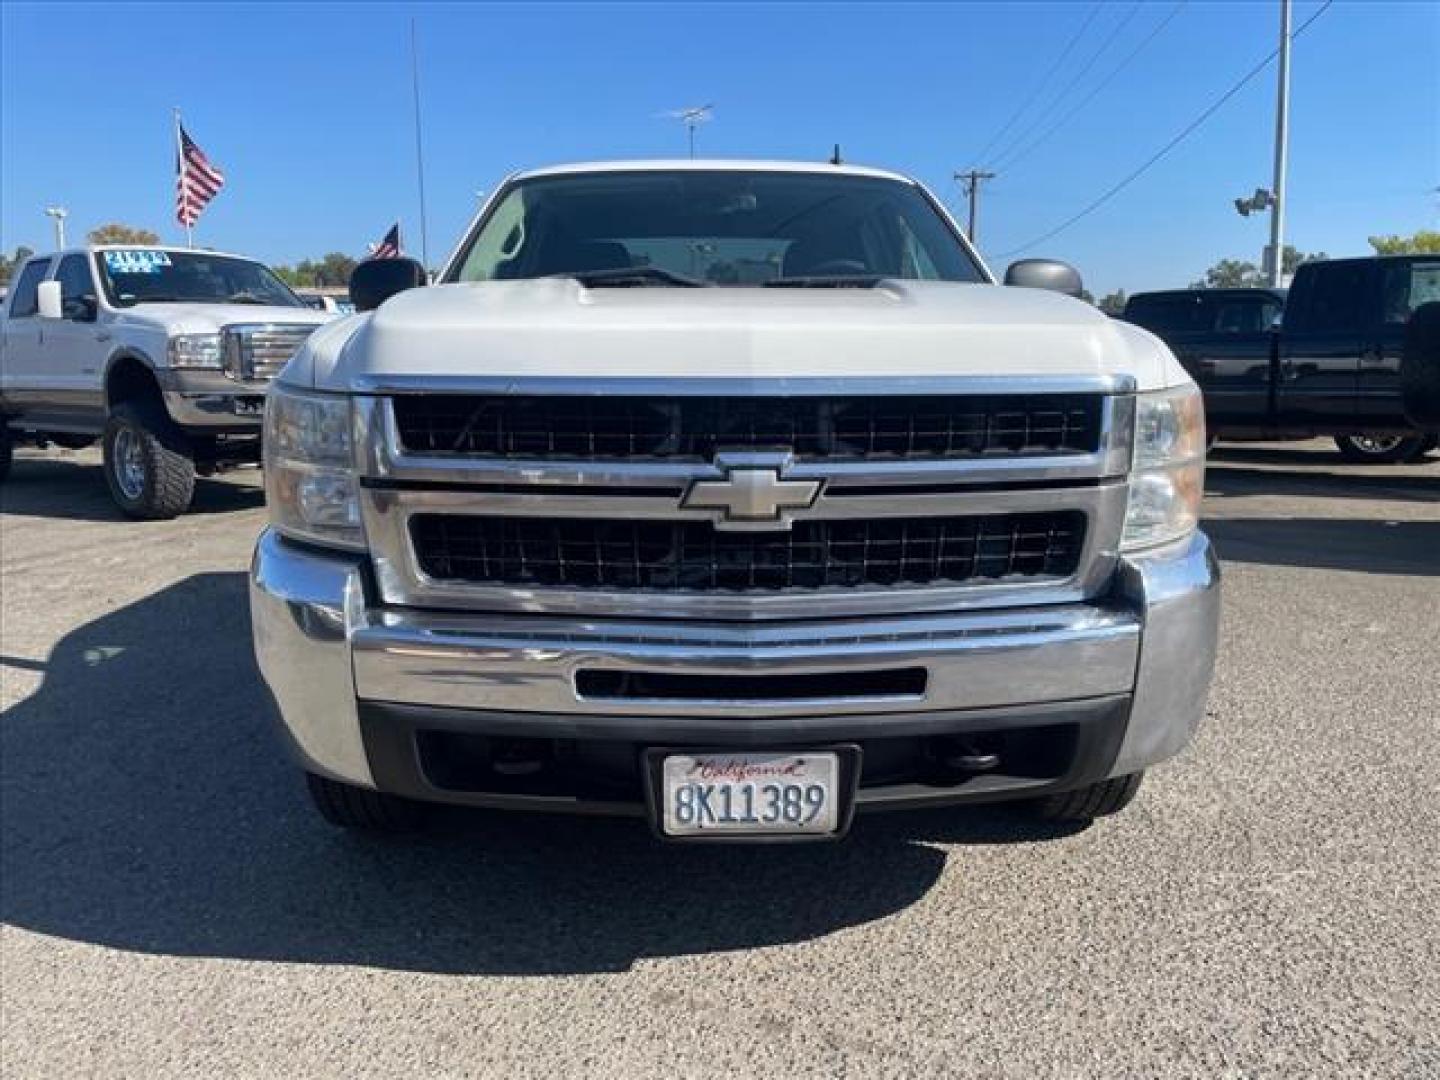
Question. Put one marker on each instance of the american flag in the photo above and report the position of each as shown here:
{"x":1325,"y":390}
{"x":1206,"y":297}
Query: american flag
{"x":196,"y":182}
{"x":389,"y":247}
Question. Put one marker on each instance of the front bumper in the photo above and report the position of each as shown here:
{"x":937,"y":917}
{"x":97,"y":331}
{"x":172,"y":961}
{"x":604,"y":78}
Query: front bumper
{"x":212,"y":402}
{"x":414,"y":701}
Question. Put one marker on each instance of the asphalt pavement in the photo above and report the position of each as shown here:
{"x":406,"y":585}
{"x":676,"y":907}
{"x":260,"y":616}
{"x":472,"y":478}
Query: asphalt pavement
{"x":1266,"y":907}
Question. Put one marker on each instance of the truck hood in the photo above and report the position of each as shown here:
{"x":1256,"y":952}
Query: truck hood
{"x":181,"y":318}
{"x":555,"y":327}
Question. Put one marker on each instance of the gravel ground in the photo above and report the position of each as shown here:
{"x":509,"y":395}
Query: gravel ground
{"x":1267,"y":907}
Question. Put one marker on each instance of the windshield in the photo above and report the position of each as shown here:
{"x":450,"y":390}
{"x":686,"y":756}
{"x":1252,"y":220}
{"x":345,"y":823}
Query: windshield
{"x":146,"y":275}
{"x":714,"y":227}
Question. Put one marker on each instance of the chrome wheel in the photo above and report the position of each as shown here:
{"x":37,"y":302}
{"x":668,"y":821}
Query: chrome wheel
{"x":1376,"y":444}
{"x":128,"y":457}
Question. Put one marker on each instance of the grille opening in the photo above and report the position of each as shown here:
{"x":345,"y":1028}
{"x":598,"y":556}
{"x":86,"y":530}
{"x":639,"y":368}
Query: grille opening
{"x":583,"y":553}
{"x":901,"y":427}
{"x":599,"y":684}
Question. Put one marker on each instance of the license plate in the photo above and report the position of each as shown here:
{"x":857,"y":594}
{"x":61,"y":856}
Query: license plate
{"x":750,"y":793}
{"x":249,"y":406}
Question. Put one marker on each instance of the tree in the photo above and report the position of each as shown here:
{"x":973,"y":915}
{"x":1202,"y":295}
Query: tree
{"x":116,"y":233}
{"x":1238,"y":274}
{"x":1424,"y":242}
{"x":333,"y":269}
{"x":12,"y":264}
{"x":1113,"y":303}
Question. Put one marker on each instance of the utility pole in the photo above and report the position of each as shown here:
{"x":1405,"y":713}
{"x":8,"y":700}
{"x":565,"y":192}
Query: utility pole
{"x":1275,"y":254}
{"x":58,"y":214}
{"x":972,"y":181}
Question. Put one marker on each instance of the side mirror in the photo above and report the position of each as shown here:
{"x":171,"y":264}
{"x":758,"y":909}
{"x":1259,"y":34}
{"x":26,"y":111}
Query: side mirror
{"x":47,"y":300}
{"x":1045,"y":274}
{"x":80,"y":309}
{"x":376,"y":280}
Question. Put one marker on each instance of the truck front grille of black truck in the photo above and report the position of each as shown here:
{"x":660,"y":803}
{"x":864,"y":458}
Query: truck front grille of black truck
{"x":693,"y":556}
{"x":883,"y":428}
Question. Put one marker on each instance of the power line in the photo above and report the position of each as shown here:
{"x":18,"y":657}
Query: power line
{"x":1040,"y":86}
{"x":1018,"y":154}
{"x":1033,"y":125}
{"x":1176,"y":141}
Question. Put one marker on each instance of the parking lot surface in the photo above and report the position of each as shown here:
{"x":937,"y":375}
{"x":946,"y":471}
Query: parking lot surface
{"x":1267,"y":907}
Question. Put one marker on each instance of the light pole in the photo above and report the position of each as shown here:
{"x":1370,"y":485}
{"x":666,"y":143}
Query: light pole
{"x":59,"y":214}
{"x":1275,"y":253}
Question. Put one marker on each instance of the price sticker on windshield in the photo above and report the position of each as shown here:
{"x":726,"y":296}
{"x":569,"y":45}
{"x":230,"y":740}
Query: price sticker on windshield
{"x":136,"y":261}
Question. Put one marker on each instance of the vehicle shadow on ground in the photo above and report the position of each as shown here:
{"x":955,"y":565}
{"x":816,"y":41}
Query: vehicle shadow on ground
{"x":147,"y":805}
{"x":1241,"y":471}
{"x":74,"y":490}
{"x":1364,"y":544}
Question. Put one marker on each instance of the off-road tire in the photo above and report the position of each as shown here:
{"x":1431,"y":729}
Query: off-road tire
{"x":1087,"y":803}
{"x":164,"y":456}
{"x":1359,"y":449}
{"x":351,"y":807}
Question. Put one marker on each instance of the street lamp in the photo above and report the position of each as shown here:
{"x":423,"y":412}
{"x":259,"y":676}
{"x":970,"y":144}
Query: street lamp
{"x":59,"y":214}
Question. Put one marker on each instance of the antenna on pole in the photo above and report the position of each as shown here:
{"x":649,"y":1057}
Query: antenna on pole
{"x":419,"y":149}
{"x":692,"y":117}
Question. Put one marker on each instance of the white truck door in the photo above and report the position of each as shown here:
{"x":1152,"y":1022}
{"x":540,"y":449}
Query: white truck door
{"x":22,"y":384}
{"x":73,"y":348}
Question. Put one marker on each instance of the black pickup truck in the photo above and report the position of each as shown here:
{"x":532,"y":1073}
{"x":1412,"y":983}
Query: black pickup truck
{"x":1324,"y":360}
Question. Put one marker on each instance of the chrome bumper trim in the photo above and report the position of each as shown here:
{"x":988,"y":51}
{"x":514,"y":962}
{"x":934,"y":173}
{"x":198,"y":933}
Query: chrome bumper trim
{"x":321,"y":648}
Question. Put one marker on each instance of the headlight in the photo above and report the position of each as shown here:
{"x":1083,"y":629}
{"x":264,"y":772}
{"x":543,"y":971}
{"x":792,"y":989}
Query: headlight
{"x":1167,"y":474}
{"x":310,"y":469}
{"x":195,"y":350}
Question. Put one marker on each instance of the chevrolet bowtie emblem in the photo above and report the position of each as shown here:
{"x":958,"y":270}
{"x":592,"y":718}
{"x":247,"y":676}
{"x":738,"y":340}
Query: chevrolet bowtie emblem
{"x":751,"y":498}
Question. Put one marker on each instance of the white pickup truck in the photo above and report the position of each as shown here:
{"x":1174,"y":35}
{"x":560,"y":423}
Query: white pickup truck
{"x":738,"y":497}
{"x":162,"y":353}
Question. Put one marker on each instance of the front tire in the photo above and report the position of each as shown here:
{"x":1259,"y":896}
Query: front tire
{"x":1085,"y":804}
{"x":351,"y":807}
{"x":1380,"y":449}
{"x":147,"y":464}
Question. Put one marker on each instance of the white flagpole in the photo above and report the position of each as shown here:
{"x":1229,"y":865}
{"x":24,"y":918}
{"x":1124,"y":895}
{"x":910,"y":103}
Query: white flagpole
{"x":180,"y":179}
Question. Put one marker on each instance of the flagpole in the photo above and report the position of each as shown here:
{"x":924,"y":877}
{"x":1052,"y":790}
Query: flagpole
{"x":180,"y":179}
{"x":419,"y":157}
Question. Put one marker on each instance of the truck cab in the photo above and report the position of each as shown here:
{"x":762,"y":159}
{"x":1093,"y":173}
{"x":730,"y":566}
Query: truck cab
{"x":162,"y":354}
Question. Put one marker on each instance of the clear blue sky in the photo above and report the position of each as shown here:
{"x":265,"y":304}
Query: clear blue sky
{"x":307,"y":109}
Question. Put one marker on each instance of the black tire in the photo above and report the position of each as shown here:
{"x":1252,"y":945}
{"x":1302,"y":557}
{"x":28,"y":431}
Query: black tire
{"x":1380,"y":449}
{"x":7,"y":451}
{"x":161,"y":480}
{"x":351,"y":807}
{"x":1427,"y":444}
{"x":1087,"y":803}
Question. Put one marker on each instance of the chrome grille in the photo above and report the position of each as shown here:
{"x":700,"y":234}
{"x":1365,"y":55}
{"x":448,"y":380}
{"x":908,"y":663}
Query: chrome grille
{"x":822,"y":428}
{"x":260,"y":351}
{"x":692,"y":556}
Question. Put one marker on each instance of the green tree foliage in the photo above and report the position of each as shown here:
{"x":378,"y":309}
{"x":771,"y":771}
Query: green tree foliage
{"x":1238,"y":274}
{"x":116,"y":233}
{"x":1424,"y":242}
{"x":1113,"y":303}
{"x":333,"y":269}
{"x":9,"y":265}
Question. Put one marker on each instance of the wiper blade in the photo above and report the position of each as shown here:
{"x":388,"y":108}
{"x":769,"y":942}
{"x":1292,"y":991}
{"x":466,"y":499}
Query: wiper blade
{"x":622,"y":276}
{"x":826,"y":281}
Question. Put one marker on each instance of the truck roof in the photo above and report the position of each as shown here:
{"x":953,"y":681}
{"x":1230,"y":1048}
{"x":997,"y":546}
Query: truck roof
{"x":82,"y":249}
{"x":710,"y":165}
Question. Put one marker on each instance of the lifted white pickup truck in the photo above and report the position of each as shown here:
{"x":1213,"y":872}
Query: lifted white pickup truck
{"x":736,"y":496}
{"x":164,"y":353}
